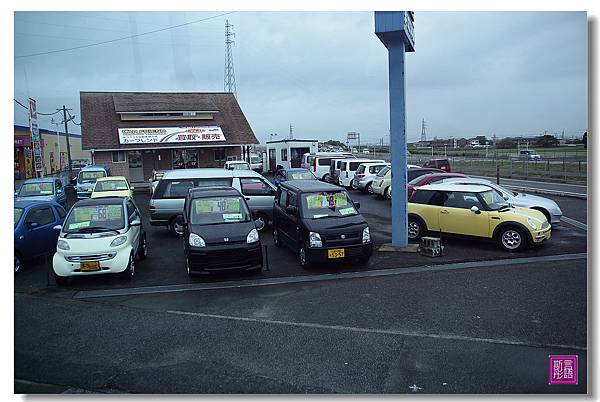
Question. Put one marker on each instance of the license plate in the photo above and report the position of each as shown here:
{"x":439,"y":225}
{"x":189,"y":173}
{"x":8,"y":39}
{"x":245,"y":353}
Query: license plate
{"x":336,"y":253}
{"x":89,"y":266}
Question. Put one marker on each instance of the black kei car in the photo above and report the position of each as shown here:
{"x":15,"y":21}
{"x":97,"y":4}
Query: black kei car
{"x":220,"y":233}
{"x":320,"y":222}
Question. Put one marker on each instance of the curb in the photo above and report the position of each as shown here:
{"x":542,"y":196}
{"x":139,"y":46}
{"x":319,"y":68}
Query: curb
{"x":548,"y":192}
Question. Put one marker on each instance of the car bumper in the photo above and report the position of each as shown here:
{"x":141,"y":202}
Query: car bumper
{"x":225,"y":258}
{"x":540,"y":236}
{"x":116,"y":264}
{"x":377,"y":190}
{"x":361,"y":185}
{"x":555,"y":218}
{"x":350,"y":252}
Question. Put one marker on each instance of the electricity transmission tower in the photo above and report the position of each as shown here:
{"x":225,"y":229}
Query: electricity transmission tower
{"x":229,"y":82}
{"x":423,"y":126}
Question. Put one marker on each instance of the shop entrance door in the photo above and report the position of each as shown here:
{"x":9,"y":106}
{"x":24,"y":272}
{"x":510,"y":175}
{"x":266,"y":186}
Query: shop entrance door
{"x":136,"y":168}
{"x":185,"y":158}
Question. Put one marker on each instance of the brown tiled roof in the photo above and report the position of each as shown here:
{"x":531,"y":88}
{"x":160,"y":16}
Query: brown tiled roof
{"x":100,"y":119}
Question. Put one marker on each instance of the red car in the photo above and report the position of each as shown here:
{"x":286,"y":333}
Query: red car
{"x":428,"y":179}
{"x":443,"y":164}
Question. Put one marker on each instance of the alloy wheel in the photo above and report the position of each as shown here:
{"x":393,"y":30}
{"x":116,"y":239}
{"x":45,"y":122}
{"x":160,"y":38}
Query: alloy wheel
{"x":17,"y":264}
{"x":511,"y":239}
{"x":413,"y":229}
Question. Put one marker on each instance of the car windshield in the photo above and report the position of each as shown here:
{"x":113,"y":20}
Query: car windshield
{"x":254,"y":159}
{"x":18,"y":214}
{"x":494,"y":200}
{"x":216,"y":210}
{"x":383,"y":171}
{"x":239,"y":166}
{"x":418,"y":179}
{"x":305,"y":175}
{"x":327,"y":204}
{"x":95,"y":218}
{"x":33,"y":189}
{"x":90,"y":176}
{"x":111,"y":185}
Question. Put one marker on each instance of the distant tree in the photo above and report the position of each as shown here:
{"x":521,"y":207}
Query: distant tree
{"x":546,"y":141}
{"x":584,"y":139}
{"x":482,"y":139}
{"x":335,"y":143}
{"x":506,"y":143}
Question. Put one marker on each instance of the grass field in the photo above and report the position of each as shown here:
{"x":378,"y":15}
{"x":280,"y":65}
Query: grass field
{"x":578,"y":152}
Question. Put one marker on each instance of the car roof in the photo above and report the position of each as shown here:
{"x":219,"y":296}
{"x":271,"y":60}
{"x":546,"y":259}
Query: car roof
{"x":94,"y":167}
{"x":296,"y":170}
{"x":32,"y":203}
{"x":458,"y":176}
{"x":199,"y":192}
{"x":41,"y":180}
{"x":97,"y":201}
{"x":369,"y":160}
{"x":474,"y":188}
{"x":108,"y":178}
{"x":310,"y":186}
{"x":468,"y":180}
{"x":376,"y":163}
{"x":232,"y":162}
{"x":200,"y":173}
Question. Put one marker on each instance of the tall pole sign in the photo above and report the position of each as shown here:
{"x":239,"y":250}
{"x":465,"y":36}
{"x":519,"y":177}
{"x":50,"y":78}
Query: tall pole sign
{"x":396,"y":30}
{"x":35,"y":138}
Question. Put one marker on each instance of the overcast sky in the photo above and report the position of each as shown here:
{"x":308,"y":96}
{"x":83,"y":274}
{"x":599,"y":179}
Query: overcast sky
{"x":326,"y":73}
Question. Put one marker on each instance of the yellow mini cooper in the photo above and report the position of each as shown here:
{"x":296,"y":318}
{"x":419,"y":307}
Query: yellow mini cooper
{"x":477,"y":211}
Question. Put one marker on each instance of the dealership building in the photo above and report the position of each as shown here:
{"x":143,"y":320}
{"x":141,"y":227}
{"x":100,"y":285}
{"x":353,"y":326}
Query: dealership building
{"x":135,"y":133}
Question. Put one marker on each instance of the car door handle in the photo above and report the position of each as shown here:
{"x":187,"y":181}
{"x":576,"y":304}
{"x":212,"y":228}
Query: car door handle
{"x":444,"y":211}
{"x":247,"y":198}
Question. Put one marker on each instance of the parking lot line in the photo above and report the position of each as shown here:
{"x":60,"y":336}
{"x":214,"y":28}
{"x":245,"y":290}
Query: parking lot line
{"x":573,"y":222}
{"x":89,"y":294}
{"x":379,"y":331}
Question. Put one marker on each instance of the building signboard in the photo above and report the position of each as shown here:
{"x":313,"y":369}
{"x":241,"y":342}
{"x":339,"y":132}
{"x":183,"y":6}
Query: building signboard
{"x":35,"y":136}
{"x":160,"y":135}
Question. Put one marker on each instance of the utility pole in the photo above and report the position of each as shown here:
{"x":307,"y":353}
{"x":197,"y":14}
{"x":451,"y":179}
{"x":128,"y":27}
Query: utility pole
{"x":58,"y":142}
{"x":229,"y":84}
{"x":64,"y":110}
{"x":423,"y":134}
{"x":291,"y":132}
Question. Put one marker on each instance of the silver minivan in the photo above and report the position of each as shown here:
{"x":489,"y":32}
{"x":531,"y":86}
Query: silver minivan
{"x":168,"y":198}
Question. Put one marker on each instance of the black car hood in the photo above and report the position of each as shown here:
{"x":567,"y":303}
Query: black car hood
{"x":215,"y":234}
{"x":334,"y":224}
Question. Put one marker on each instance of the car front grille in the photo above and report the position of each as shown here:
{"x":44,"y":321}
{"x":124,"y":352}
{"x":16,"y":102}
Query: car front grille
{"x":344,"y":239}
{"x":91,"y":257}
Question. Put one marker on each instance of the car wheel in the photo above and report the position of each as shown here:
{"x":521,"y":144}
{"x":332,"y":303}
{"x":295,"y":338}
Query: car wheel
{"x":276,"y":238}
{"x":415,"y":228}
{"x":303,"y":257}
{"x":261,"y":221}
{"x":354,"y":185}
{"x":187,"y":267}
{"x":176,"y":227}
{"x":326,"y":178}
{"x":61,"y":280}
{"x":370,"y":188}
{"x":130,"y":270}
{"x":18,"y":262}
{"x":388,"y":193}
{"x":143,"y":248}
{"x":512,"y":239}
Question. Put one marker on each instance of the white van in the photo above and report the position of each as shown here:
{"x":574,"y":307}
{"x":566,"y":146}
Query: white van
{"x":320,"y":163}
{"x":348,"y":168}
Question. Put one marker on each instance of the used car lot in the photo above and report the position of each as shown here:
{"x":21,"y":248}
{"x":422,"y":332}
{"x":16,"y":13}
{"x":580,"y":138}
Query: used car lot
{"x":166,"y":261}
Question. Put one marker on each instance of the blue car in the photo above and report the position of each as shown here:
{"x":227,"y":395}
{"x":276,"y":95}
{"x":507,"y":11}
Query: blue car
{"x":292,"y":174}
{"x":35,"y":235}
{"x":42,"y":189}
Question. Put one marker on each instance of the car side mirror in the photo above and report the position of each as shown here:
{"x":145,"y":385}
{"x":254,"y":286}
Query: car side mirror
{"x":135,"y":222}
{"x":475,"y":209}
{"x":57,"y":227}
{"x":33,"y":225}
{"x":506,"y":197}
{"x":16,"y":193}
{"x":131,"y":188}
{"x":357,"y":205}
{"x":291,"y":210}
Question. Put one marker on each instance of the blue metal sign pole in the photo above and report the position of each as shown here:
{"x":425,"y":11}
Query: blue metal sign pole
{"x":395,"y":30}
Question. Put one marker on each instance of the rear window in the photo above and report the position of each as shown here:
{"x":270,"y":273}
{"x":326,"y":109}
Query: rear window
{"x":353,"y":166}
{"x":383,"y":171}
{"x":443,"y":163}
{"x":324,"y":161}
{"x":178,"y":188}
{"x":422,"y":197}
{"x":375,"y":169}
{"x":361,"y":169}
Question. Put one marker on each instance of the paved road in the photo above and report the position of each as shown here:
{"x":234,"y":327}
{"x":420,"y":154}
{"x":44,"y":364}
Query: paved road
{"x":541,"y":185}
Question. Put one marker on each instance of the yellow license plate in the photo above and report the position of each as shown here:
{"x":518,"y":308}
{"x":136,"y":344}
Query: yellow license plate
{"x":89,"y":266}
{"x":336,"y":253}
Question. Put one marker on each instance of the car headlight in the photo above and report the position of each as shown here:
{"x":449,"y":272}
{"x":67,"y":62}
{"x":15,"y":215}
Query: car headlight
{"x":531,"y":223}
{"x":63,"y":245}
{"x":90,"y":189}
{"x":196,"y":241}
{"x":315,"y":239}
{"x":118,"y":241}
{"x":366,"y":235}
{"x":252,"y":236}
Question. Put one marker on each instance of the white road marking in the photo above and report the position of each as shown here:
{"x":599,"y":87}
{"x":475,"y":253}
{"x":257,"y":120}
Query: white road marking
{"x":378,"y":331}
{"x":573,"y":222}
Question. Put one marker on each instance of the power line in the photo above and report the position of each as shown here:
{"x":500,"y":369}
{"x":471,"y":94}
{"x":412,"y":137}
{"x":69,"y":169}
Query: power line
{"x":123,"y":38}
{"x":43,"y":114}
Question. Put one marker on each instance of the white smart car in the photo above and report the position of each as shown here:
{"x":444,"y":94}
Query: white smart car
{"x":100,"y":236}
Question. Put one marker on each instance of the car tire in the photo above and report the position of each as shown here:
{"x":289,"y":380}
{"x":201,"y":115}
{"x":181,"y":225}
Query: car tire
{"x":143,"y":248}
{"x":187,"y":267}
{"x":303,"y":258}
{"x":18,"y":262}
{"x":512,"y":239}
{"x":61,"y":280}
{"x":354,"y":185}
{"x":326,"y":178}
{"x":416,"y":228}
{"x":276,"y":238}
{"x":175,"y":227}
{"x":130,"y":270}
{"x":387,"y":193}
{"x":369,"y":188}
{"x":264,"y":219}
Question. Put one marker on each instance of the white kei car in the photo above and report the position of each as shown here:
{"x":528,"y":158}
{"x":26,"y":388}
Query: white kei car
{"x":100,"y":236}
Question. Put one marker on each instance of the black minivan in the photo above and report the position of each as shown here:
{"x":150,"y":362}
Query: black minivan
{"x":220,"y":233}
{"x":320,"y":222}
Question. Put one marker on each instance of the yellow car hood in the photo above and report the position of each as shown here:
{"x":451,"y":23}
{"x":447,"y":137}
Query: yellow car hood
{"x":122,"y":193}
{"x":523,"y":213}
